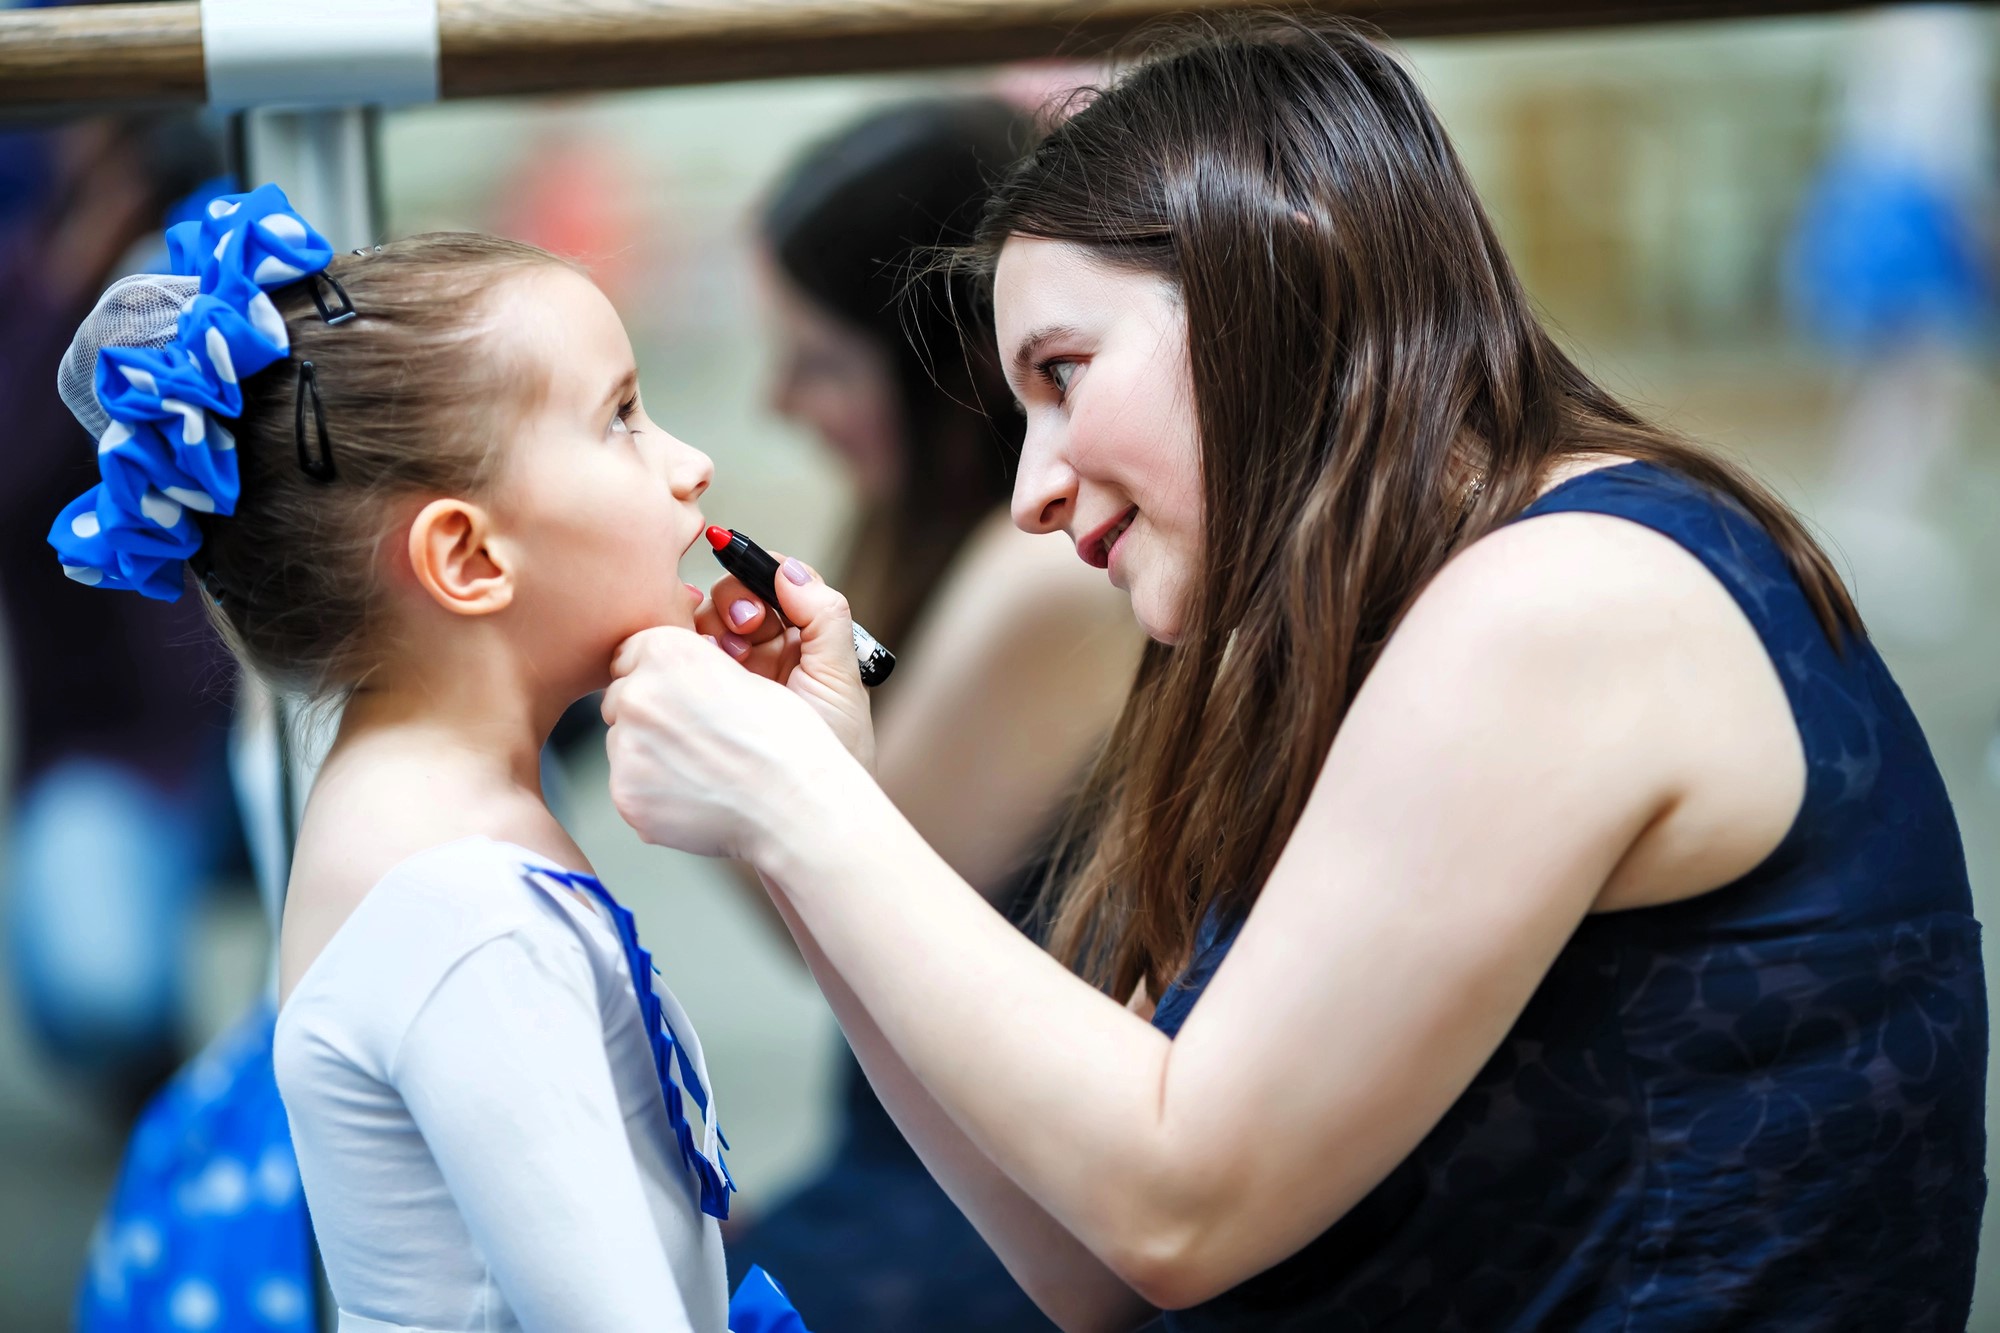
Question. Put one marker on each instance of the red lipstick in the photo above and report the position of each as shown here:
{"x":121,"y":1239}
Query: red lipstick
{"x":757,"y":569}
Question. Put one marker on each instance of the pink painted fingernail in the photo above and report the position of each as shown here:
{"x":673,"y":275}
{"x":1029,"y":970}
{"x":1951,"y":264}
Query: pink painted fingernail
{"x":742,"y":612}
{"x":735,"y":645}
{"x":711,"y":639}
{"x":797,"y":572}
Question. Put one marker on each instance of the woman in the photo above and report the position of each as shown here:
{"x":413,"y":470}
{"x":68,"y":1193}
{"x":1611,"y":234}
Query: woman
{"x":999,"y":633}
{"x":1517,"y":895}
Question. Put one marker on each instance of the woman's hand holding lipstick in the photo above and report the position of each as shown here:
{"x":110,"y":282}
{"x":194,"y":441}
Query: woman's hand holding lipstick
{"x":810,"y":650}
{"x":714,"y":760}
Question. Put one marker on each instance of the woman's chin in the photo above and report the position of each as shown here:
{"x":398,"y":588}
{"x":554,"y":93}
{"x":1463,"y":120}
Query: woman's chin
{"x":1160,"y":625}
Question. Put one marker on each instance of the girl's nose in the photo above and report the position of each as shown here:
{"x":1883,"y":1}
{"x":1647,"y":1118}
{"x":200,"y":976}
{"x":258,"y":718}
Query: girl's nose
{"x":692,"y":471}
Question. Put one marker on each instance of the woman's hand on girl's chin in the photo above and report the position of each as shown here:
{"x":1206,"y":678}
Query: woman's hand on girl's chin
{"x":814,"y":659}
{"x":705,"y":757}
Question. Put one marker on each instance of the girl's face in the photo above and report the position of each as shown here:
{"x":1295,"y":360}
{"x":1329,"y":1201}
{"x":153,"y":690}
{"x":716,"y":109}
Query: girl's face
{"x":596,"y":501}
{"x":835,"y":381}
{"x":1098,"y":360}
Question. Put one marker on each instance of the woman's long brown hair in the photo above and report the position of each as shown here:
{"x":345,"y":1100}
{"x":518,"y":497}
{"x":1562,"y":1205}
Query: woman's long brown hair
{"x":1373,"y":392}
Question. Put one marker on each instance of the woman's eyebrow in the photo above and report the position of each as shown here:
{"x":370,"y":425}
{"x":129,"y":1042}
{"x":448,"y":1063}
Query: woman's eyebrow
{"x":1024,"y":355}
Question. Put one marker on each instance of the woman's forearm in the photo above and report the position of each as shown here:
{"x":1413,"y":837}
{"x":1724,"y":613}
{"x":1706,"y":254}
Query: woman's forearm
{"x":994,"y":1001}
{"x":1071,"y":1285}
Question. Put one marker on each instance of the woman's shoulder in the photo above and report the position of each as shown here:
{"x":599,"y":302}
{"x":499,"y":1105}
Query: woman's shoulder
{"x":1572,"y":572}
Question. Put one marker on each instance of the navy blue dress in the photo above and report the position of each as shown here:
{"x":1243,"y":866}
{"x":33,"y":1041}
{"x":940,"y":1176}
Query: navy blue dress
{"x":1760,"y":1108}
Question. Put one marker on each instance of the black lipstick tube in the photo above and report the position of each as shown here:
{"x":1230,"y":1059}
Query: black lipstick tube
{"x":757,"y":569}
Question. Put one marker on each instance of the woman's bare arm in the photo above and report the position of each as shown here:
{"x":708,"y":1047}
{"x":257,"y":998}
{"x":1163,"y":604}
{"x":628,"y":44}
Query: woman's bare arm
{"x":1070,"y":1284}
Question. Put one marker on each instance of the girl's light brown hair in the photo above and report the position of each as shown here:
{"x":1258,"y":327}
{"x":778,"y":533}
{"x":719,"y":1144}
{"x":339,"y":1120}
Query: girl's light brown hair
{"x":1372,"y":393}
{"x":415,"y":390}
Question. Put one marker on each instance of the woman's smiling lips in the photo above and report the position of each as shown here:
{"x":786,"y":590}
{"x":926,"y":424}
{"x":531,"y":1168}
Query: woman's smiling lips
{"x":1097,"y":546}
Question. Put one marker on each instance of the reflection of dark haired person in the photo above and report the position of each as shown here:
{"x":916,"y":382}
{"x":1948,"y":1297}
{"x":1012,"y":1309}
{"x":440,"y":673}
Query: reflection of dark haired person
{"x":1515,"y":896}
{"x":1011,"y":636}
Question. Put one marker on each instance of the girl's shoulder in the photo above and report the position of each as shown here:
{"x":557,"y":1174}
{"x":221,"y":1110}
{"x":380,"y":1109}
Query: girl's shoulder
{"x":423,"y":918}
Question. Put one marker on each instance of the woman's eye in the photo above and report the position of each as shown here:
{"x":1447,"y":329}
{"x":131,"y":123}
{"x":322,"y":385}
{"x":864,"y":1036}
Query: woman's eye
{"x":1059,"y":374}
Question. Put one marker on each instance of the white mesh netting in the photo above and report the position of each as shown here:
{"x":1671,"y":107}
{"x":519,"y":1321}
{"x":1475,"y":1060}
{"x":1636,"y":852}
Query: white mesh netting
{"x":139,"y":311}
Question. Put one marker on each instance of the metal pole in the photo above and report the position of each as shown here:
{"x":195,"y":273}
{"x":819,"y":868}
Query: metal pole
{"x":328,"y":163}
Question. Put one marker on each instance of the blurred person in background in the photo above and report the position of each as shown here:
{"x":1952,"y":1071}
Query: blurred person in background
{"x":1891,"y":268}
{"x":1014,"y":656}
{"x":120,"y":796}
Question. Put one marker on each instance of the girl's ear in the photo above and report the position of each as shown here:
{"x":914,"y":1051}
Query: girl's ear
{"x":458,"y":560}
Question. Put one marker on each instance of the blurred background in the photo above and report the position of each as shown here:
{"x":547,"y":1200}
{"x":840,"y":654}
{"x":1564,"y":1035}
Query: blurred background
{"x":1682,"y":202}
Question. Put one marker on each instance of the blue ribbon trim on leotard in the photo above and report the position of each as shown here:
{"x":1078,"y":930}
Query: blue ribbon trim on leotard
{"x":760,"y":1305}
{"x":671,"y":1060}
{"x":166,"y":454}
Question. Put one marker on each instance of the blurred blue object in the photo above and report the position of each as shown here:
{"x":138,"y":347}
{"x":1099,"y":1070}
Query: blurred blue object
{"x":1885,"y":256}
{"x":102,"y":871}
{"x":208,"y":1227}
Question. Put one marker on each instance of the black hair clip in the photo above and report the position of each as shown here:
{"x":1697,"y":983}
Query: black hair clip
{"x":339,"y":314}
{"x":320,"y":468}
{"x":203,"y":569}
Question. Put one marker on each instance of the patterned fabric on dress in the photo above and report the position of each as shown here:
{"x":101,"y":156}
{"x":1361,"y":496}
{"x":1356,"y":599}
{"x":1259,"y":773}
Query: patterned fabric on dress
{"x":207,"y":1229}
{"x":1762,"y":1107}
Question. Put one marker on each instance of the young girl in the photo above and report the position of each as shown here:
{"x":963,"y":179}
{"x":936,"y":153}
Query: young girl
{"x":443,"y":504}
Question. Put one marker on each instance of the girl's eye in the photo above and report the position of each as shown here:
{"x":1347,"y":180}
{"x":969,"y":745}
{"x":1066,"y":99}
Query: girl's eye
{"x":623,"y":421}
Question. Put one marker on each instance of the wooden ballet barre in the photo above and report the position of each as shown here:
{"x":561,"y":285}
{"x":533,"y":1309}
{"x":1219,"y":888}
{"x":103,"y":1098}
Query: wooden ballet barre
{"x":100,"y":57}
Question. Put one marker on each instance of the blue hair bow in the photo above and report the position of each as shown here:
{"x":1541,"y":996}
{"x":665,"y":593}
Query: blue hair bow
{"x":167,"y":451}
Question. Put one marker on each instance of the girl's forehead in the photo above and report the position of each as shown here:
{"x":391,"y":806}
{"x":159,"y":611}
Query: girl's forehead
{"x":567,"y":330}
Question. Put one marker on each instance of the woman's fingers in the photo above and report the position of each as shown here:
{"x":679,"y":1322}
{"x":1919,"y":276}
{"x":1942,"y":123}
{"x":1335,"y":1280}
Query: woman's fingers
{"x":826,"y":627}
{"x":826,"y":673}
{"x":732,"y":608}
{"x":626,"y":660}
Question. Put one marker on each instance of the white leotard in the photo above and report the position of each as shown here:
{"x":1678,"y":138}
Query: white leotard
{"x":478,"y":1119}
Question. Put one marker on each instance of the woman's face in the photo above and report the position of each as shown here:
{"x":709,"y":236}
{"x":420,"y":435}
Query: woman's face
{"x":1098,"y":360}
{"x":835,"y":381}
{"x":597,"y":502}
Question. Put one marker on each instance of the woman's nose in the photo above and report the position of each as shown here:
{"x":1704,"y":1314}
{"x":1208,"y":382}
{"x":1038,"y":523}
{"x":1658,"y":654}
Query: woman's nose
{"x":1044,"y":487}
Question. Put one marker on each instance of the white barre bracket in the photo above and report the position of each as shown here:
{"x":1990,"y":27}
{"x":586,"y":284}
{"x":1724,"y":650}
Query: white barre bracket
{"x":319,"y":53}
